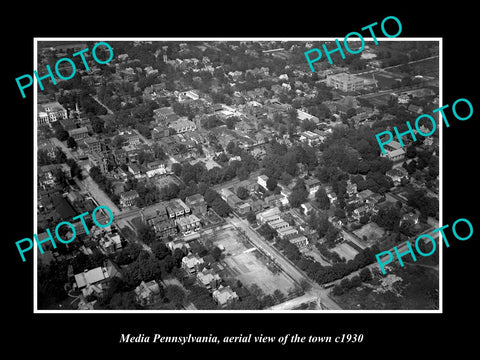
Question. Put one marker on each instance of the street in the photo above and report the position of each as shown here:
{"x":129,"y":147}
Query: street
{"x":87,"y":184}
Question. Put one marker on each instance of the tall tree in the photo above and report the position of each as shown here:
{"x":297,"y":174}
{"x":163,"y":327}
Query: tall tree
{"x":322,"y":199}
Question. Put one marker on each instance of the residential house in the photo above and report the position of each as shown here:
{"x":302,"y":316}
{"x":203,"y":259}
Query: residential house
{"x":397,"y":175}
{"x":299,"y":242}
{"x":278,"y":224}
{"x":306,"y":208}
{"x":96,"y":281}
{"x":191,"y":263}
{"x":92,"y":144}
{"x":209,"y":278}
{"x":364,"y":195}
{"x":110,"y":244}
{"x":351,"y":188}
{"x":262,"y":181}
{"x":274,"y":200}
{"x":160,"y":132}
{"x":183,"y":125}
{"x":158,"y":218}
{"x":147,"y":292}
{"x":287,"y":233}
{"x":50,"y":112}
{"x":46,"y":175}
{"x":415,"y":109}
{"x":395,"y":155}
{"x":268,"y":215}
{"x":312,"y":186}
{"x":224,"y":296}
{"x":135,"y":170}
{"x":99,"y":160}
{"x":243,"y":208}
{"x":311,"y":138}
{"x":129,"y":198}
{"x":257,"y":205}
{"x":197,"y":204}
{"x":132,"y":138}
{"x":188,"y":223}
{"x":359,"y":212}
{"x":332,"y":196}
{"x":155,"y":168}
{"x":412,"y":217}
{"x":192,"y":94}
{"x":68,"y":124}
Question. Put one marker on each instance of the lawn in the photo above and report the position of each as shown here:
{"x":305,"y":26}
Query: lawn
{"x":372,"y":231}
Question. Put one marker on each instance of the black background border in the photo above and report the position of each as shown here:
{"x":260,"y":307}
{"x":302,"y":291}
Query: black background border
{"x":404,"y":333}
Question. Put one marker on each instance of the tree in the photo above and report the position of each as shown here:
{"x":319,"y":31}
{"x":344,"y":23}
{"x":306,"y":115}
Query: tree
{"x":355,"y":281}
{"x":271,"y":183}
{"x":175,"y":294}
{"x":267,"y":232}
{"x":388,"y":218}
{"x":61,"y":134}
{"x":123,"y":301}
{"x":177,"y":169}
{"x":351,"y":112}
{"x":118,"y":141}
{"x":365,"y":275}
{"x":160,"y":250}
{"x":277,"y":294}
{"x":299,"y":194}
{"x":251,"y":217}
{"x":338,"y":290}
{"x":97,"y":124}
{"x":71,"y":143}
{"x":242,"y":193}
{"x":217,"y":253}
{"x":146,"y":234}
{"x":322,"y":199}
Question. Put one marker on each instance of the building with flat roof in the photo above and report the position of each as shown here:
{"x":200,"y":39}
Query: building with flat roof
{"x":299,"y":242}
{"x":345,"y":82}
{"x":183,"y":125}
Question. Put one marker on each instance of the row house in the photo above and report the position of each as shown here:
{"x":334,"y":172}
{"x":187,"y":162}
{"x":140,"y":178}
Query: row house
{"x":299,"y":242}
{"x":188,"y":223}
{"x":177,"y":208}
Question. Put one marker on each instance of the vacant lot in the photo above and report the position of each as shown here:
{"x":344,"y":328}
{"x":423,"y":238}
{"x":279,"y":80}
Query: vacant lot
{"x":345,"y":250}
{"x":243,"y":263}
{"x":163,"y":181}
{"x":372,"y":232}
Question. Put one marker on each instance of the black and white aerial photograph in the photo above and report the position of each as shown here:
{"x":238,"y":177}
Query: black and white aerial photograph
{"x":236,"y":178}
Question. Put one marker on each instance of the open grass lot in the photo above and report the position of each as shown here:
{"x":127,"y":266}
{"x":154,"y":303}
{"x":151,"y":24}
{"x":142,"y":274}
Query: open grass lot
{"x":163,"y":181}
{"x":372,"y":231}
{"x":385,"y":80}
{"x":345,"y":250}
{"x":244,"y":263}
